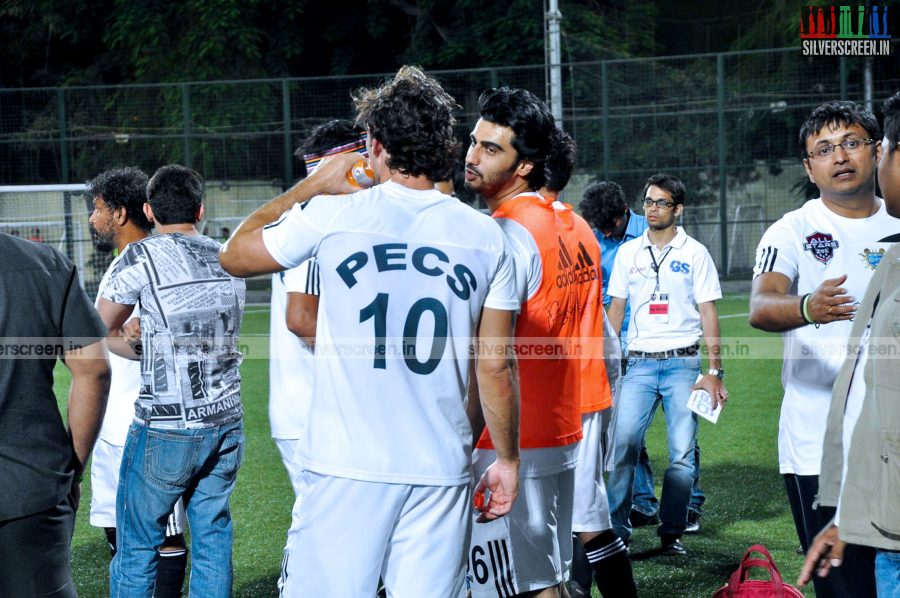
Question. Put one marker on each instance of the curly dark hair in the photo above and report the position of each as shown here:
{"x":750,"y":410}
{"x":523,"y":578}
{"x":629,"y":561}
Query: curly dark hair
{"x":602,"y":203}
{"x":892,"y":120}
{"x":531,"y":122}
{"x":560,"y":162}
{"x":838,"y":113}
{"x":122,"y":188}
{"x":411,"y":115}
{"x":175,"y":193}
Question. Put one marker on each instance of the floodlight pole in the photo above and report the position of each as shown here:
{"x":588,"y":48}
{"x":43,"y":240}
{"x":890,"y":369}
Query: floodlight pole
{"x":553,"y":18}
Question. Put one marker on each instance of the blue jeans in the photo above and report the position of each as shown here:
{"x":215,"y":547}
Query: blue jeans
{"x":887,"y":573}
{"x":158,"y":466}
{"x":647,"y":384}
{"x":644,"y":499}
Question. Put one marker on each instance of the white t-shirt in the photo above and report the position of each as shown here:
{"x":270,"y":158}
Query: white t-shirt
{"x":687,"y":276}
{"x":809,"y":245}
{"x":405,"y":274}
{"x":291,"y":364}
{"x":124,"y":385}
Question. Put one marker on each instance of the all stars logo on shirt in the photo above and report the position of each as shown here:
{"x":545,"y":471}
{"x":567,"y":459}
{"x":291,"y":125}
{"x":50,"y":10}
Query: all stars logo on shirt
{"x":822,"y":246}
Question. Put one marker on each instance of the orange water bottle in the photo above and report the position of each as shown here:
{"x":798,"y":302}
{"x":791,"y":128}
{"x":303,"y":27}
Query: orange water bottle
{"x":361,"y":174}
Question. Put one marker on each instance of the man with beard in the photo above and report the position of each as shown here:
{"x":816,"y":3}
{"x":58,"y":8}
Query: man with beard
{"x":516,"y":149}
{"x":118,"y":219}
{"x":663,"y":274}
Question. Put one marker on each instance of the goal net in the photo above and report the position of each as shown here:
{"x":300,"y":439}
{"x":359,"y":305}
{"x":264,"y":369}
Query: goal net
{"x":56,"y":215}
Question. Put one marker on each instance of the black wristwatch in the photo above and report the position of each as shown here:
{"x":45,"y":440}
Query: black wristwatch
{"x":718,"y":373}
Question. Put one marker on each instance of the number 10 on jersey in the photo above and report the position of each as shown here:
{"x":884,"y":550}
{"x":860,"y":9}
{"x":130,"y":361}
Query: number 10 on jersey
{"x":377,"y":311}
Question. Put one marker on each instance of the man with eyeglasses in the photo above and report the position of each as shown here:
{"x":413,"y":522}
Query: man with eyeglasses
{"x":812,"y":268}
{"x":672,"y":284}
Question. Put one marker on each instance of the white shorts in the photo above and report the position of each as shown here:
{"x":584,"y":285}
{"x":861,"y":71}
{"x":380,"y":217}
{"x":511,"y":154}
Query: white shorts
{"x":105,"y":465}
{"x":347,"y":533}
{"x":530,"y":548}
{"x":288,"y":449}
{"x":590,"y":512}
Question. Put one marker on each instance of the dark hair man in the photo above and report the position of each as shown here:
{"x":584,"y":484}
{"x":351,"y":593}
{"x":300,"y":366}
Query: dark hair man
{"x":387,"y":447}
{"x":187,"y":440}
{"x":117,"y":220}
{"x":863,"y":407}
{"x":516,"y":149}
{"x":812,"y":265}
{"x":672,"y":281}
{"x":44,"y":315}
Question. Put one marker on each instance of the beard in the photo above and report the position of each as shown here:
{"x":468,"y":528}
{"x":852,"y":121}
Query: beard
{"x":103,"y":240}
{"x":488,"y":186}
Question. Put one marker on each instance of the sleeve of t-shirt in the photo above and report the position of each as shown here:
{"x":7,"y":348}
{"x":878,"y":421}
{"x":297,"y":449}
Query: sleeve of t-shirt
{"x":777,"y":251}
{"x":706,"y":278}
{"x":303,"y":279}
{"x":503,"y":293}
{"x":525,"y":255}
{"x":618,"y":280}
{"x":295,"y":237}
{"x":81,"y":324}
{"x":128,"y":277}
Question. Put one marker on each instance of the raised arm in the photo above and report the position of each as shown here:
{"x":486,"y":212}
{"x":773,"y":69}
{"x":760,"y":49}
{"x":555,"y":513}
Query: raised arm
{"x":245,"y":253}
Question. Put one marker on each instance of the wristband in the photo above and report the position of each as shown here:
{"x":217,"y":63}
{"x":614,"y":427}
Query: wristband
{"x":804,"y":310}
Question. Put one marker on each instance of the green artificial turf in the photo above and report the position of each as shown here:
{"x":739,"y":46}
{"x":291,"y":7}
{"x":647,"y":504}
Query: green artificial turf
{"x":746,"y":501}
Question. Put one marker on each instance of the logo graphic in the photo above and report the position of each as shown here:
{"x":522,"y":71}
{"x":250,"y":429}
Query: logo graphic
{"x":575,"y":271}
{"x":677,"y":266}
{"x":822,"y":246}
{"x":845,"y":30}
{"x":872,"y":258}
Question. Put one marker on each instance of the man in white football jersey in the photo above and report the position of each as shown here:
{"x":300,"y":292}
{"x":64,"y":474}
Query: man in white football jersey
{"x":812,"y":268}
{"x":409,"y":277}
{"x":117,"y":220}
{"x":294,"y":308}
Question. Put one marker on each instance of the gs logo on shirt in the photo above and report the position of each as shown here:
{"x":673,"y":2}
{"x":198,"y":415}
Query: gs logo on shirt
{"x":677,"y":266}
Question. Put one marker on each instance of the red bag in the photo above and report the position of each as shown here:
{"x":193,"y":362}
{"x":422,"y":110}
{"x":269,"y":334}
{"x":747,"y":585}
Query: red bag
{"x":739,"y":586}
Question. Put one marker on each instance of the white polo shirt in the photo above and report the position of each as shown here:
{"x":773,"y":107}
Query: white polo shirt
{"x":686,"y":275}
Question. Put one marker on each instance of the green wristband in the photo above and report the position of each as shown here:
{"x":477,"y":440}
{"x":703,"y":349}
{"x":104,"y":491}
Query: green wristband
{"x":804,"y":309}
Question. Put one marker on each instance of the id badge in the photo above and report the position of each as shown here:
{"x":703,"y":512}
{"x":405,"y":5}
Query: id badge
{"x":659,"y":308}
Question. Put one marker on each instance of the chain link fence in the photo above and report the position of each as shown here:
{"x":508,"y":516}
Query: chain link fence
{"x":725,"y":123}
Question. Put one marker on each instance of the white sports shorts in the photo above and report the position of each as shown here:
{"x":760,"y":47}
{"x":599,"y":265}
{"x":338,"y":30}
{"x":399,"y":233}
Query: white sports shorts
{"x":288,"y":449}
{"x":345,"y":534}
{"x":591,"y":506}
{"x":105,"y":465}
{"x":530,"y":548}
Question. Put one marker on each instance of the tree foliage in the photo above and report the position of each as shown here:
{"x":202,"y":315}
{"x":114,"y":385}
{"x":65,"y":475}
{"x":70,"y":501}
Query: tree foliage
{"x":56,"y":42}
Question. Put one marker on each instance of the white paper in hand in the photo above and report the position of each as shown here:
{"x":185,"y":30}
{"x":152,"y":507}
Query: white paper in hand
{"x":702,"y":404}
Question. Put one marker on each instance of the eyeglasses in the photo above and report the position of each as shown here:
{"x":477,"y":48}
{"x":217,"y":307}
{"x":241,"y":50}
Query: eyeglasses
{"x":659,"y":203}
{"x":850,"y":146}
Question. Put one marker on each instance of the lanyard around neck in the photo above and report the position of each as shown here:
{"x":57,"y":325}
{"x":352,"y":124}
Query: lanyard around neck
{"x":657,"y":265}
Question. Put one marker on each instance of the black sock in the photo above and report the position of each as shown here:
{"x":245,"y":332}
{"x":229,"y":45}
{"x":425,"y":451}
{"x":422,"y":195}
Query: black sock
{"x":111,"y":539}
{"x":612,"y":566}
{"x":170,"y":573}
